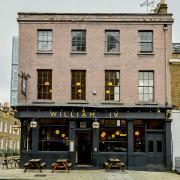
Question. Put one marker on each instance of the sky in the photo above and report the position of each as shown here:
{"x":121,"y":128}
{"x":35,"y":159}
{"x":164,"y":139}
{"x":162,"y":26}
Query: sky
{"x":9,"y":25}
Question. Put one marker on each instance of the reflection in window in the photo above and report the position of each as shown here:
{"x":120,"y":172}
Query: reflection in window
{"x":139,"y":136}
{"x":54,"y":138}
{"x":79,"y":40}
{"x":112,"y":85}
{"x":145,"y":41}
{"x":45,"y":40}
{"x":113,"y":138}
{"x":112,"y":41}
{"x":26,"y":136}
{"x":146,"y":86}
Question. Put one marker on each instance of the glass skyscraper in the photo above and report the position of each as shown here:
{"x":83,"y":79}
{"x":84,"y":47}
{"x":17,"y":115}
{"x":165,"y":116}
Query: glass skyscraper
{"x":14,"y":71}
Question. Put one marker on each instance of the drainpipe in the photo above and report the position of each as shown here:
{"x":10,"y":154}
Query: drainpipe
{"x":165,"y":78}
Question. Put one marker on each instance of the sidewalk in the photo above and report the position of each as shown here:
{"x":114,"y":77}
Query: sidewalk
{"x":102,"y":174}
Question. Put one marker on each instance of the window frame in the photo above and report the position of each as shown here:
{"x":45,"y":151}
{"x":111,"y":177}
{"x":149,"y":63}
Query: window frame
{"x":45,"y":40}
{"x":146,"y":42}
{"x":146,"y":87}
{"x":44,"y":87}
{"x":80,"y":44}
{"x":109,"y":42}
{"x":107,"y":128}
{"x":78,"y":91}
{"x":113,"y":86}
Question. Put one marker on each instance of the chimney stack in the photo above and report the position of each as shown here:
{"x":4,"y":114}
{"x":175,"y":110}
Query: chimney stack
{"x":161,"y":8}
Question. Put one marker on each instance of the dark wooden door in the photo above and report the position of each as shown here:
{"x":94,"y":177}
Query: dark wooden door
{"x":84,"y":147}
{"x":155,"y":149}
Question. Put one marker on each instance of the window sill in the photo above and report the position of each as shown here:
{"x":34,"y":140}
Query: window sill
{"x":77,"y":102}
{"x":44,"y":52}
{"x":146,"y":103}
{"x":78,"y":52}
{"x":112,"y":53}
{"x":43,"y":102}
{"x":146,"y":54}
{"x":112,"y":102}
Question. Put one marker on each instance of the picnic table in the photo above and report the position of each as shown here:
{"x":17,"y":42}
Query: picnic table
{"x":114,"y":163}
{"x":16,"y":161}
{"x":34,"y":164}
{"x":6,"y":162}
{"x":61,"y":164}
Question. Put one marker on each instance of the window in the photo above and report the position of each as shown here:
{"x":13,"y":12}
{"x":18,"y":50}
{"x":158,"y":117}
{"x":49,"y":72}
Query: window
{"x":44,"y":84}
{"x":113,"y":136}
{"x":112,"y":88}
{"x":111,"y":41}
{"x":145,"y":41}
{"x":139,"y":136}
{"x":146,"y":86}
{"x":79,"y":40}
{"x":54,"y":135}
{"x":45,"y":40}
{"x":78,"y":85}
{"x":155,"y":124}
{"x":1,"y":126}
{"x":26,"y":136}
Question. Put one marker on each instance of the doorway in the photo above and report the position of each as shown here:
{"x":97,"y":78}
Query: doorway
{"x":155,"y":149}
{"x":84,"y":147}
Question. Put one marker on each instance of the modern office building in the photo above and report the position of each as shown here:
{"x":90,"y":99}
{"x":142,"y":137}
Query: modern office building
{"x":175,"y":86}
{"x":14,"y":71}
{"x":97,"y":86}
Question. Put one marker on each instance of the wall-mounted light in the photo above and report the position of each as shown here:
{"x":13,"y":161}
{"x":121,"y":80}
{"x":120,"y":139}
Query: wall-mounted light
{"x":95,"y":124}
{"x":33,"y":124}
{"x":107,"y":91}
{"x":110,"y":83}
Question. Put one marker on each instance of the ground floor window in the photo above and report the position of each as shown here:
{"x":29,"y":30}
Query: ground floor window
{"x":139,"y":136}
{"x":113,"y":136}
{"x":54,"y":137}
{"x":26,"y":136}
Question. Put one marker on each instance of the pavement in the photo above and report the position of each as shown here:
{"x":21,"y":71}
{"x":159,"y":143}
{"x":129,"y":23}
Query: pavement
{"x":18,"y":174}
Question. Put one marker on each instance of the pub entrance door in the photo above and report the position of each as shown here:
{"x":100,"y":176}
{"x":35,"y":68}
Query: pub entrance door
{"x":155,"y":149}
{"x":84,"y":147}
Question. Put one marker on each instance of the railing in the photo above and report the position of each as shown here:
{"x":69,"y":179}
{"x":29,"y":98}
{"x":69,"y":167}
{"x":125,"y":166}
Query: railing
{"x":176,"y":47}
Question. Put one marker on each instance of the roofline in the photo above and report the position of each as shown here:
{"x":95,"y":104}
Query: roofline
{"x":99,"y":14}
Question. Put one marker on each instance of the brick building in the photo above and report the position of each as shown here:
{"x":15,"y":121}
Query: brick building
{"x":9,"y":139}
{"x":175,"y":92}
{"x":97,"y":85}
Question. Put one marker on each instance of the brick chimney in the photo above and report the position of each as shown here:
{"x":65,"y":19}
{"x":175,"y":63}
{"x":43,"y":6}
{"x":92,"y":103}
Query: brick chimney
{"x":161,"y":8}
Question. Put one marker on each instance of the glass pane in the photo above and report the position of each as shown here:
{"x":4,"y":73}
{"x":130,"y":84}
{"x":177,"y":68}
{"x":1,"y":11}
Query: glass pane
{"x":150,"y":146}
{"x":159,"y":146}
{"x":155,"y":124}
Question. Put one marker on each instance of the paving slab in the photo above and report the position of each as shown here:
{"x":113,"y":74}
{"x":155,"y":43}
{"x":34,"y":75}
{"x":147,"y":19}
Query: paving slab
{"x":18,"y":174}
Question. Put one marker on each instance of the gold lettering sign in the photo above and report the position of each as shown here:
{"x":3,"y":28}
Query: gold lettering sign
{"x":91,"y":114}
{"x":53,"y":114}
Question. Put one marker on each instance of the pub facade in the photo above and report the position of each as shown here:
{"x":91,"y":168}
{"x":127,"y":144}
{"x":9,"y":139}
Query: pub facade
{"x":95,"y":86}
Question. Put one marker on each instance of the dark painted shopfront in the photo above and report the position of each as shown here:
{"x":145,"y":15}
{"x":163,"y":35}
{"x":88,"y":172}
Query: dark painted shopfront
{"x":139,"y":136}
